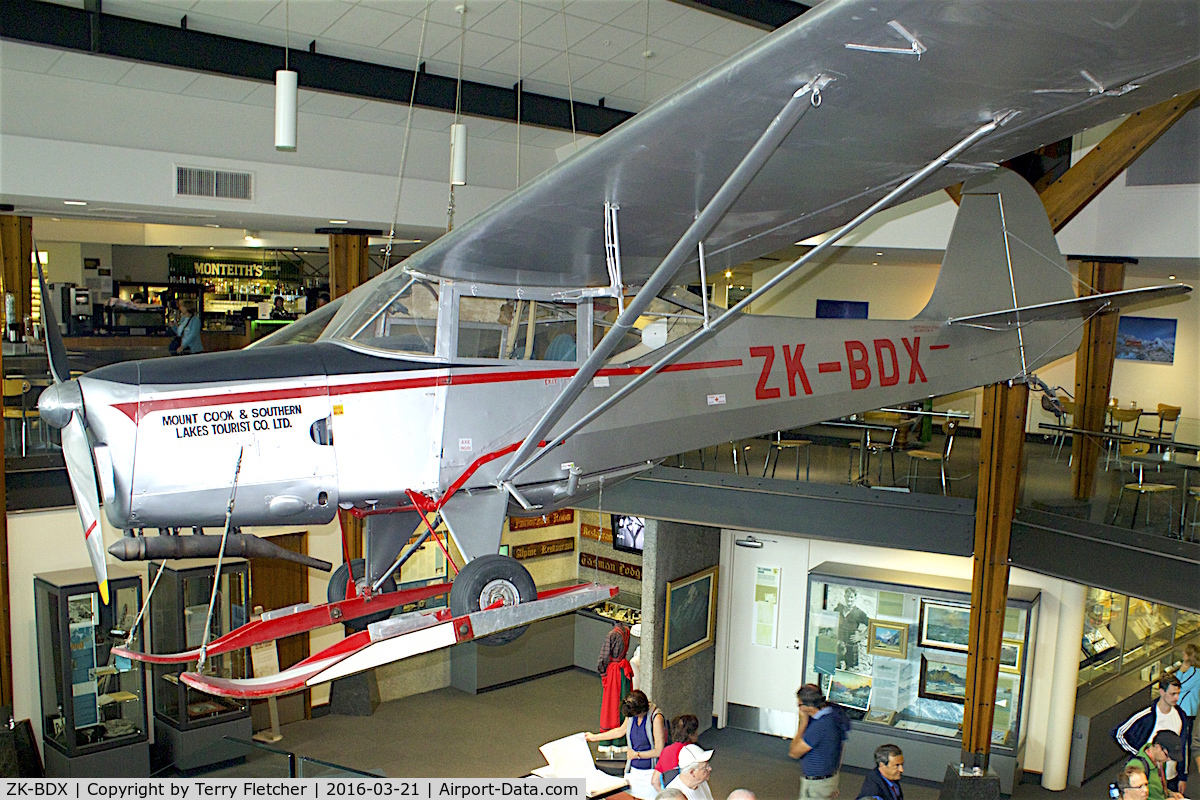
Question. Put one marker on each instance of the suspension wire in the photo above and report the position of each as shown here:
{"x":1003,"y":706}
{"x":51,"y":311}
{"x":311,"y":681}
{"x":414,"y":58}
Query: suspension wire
{"x":287,"y":31}
{"x":570,"y":88}
{"x":520,"y":77}
{"x":412,"y":98}
{"x":646,"y":61}
{"x":1060,"y":267}
{"x":462,"y":40}
{"x":145,"y":604}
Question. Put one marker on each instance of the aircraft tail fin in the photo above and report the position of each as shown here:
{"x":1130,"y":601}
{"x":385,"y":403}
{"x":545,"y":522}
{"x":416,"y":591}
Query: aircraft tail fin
{"x":1001,"y":245}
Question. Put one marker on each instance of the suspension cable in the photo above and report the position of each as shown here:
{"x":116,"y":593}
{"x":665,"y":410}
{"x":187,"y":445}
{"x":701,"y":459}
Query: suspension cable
{"x":570,"y":88}
{"x":412,"y":98}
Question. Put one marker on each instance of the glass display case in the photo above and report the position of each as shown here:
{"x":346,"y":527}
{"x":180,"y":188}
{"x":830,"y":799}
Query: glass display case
{"x":93,"y":702}
{"x":891,"y":649}
{"x":1124,"y":634}
{"x":188,"y":721}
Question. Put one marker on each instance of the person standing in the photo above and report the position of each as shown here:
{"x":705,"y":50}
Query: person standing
{"x":820,"y":732}
{"x":188,"y":329}
{"x":646,"y":728}
{"x":615,"y":676}
{"x":1162,"y":715}
{"x":685,"y":729}
{"x":1189,"y":698}
{"x":1153,"y":757}
{"x":883,"y":782}
{"x":694,"y":770}
{"x":1133,"y":784}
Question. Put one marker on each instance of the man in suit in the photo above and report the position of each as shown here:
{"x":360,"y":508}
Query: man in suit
{"x":883,"y":782}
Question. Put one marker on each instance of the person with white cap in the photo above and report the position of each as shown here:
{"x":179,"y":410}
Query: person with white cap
{"x":694,"y":770}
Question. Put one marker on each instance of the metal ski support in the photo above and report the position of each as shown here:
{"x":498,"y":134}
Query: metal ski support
{"x":702,"y":335}
{"x":612,"y":251}
{"x":212,"y":600}
{"x":703,"y":283}
{"x":803,"y":99}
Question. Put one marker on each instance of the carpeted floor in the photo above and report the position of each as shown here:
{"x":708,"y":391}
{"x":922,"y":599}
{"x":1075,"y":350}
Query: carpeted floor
{"x":448,"y":733}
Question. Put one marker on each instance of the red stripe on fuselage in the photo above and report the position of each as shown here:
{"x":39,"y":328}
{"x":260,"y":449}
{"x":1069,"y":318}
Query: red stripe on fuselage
{"x":829,"y":366}
{"x":938,"y":346}
{"x":138,"y":411}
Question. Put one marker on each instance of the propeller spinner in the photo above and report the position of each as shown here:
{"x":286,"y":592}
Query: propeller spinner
{"x":61,"y":405}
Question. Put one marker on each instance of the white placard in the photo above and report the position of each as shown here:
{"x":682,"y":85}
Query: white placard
{"x":766,"y":606}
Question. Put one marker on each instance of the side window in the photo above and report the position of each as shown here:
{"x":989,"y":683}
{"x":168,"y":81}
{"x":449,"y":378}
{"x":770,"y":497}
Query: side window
{"x":525,"y":330}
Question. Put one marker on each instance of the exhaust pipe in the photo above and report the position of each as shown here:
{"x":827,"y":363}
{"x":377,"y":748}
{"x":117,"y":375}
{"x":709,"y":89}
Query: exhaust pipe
{"x":244,"y":545}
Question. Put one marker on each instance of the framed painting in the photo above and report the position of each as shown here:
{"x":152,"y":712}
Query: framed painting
{"x":887,"y":639}
{"x":1010,"y":656}
{"x":880,"y":716}
{"x":691,"y":616}
{"x":850,"y":690}
{"x":942,"y":680}
{"x":944,"y":625}
{"x":1146,"y":339}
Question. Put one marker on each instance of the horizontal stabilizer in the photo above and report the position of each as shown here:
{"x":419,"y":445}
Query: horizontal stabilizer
{"x":1072,"y":308}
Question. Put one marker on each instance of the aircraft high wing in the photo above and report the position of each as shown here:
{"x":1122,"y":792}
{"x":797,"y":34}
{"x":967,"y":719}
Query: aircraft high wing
{"x":480,"y":378}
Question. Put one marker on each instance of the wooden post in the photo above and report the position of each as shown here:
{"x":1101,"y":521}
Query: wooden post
{"x":347,"y":261}
{"x":1002,"y":432}
{"x":1093,"y":374}
{"x":16,"y":251}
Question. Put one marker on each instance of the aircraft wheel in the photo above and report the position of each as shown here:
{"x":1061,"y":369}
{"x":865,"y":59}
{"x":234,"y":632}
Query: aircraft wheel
{"x":337,"y":591}
{"x":484,"y":581}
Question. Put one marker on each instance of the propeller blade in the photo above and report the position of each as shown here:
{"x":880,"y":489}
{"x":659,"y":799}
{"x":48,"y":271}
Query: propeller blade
{"x":56,"y":351}
{"x":82,"y":474}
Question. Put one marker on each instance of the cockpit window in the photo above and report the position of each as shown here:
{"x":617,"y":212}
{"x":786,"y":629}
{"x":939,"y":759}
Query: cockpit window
{"x":526,"y":330}
{"x":305,"y":330}
{"x":672,"y":321}
{"x":397,"y":311}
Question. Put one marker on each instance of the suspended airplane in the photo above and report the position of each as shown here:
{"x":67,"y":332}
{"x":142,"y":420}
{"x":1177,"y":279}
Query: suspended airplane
{"x":505,"y":369}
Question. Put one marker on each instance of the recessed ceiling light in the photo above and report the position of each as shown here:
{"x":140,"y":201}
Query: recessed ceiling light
{"x":879,"y":254}
{"x":874,"y":263}
{"x":1170,"y":277}
{"x":74,"y":203}
{"x":211,"y":225}
{"x":210,"y":247}
{"x":339,"y":222}
{"x":728,"y":273}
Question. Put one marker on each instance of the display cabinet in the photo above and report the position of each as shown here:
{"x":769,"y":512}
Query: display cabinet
{"x":891,"y":648}
{"x":189,"y":725}
{"x":93,"y":702}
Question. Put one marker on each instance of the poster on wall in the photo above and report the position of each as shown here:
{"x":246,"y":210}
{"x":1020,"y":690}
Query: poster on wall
{"x":1146,"y":339}
{"x":766,"y":606}
{"x":855,"y":608}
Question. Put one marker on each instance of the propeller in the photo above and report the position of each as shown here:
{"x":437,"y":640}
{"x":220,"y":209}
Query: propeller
{"x":61,"y":405}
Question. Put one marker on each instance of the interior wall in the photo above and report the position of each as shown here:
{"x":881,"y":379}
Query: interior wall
{"x":769,"y":687}
{"x":892,"y":292}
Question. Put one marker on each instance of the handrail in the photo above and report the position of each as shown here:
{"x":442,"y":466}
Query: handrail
{"x":295,"y":762}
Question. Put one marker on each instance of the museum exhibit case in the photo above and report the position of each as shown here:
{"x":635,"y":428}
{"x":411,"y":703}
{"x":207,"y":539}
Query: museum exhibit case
{"x":93,"y":702}
{"x":189,"y":725}
{"x":890,"y":647}
{"x":1127,"y":645}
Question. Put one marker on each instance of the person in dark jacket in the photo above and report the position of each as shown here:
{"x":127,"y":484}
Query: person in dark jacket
{"x":883,"y":782}
{"x":1163,"y":715}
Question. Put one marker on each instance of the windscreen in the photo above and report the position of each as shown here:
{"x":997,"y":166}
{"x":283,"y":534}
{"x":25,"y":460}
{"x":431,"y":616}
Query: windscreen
{"x":396,"y":311}
{"x":305,"y":330}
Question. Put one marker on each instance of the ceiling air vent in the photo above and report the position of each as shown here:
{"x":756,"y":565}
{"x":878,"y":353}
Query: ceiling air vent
{"x":197,"y":182}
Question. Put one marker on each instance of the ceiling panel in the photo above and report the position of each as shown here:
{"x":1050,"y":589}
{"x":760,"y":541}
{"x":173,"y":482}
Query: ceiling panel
{"x":661,"y":50}
{"x":661,"y":12}
{"x":240,"y":10}
{"x":27,"y":57}
{"x":365,"y":26}
{"x":383,"y":113}
{"x":532,"y":58}
{"x":691,"y":28}
{"x":555,"y":72}
{"x":407,"y":39}
{"x":688,"y":63}
{"x":607,"y":79}
{"x":331,"y":105}
{"x":216,"y":87}
{"x":160,"y":79}
{"x":730,"y":39}
{"x":599,"y":10}
{"x":502,"y":20}
{"x":606,"y":42}
{"x":90,"y":68}
{"x":477,"y":49}
{"x":552,"y":34}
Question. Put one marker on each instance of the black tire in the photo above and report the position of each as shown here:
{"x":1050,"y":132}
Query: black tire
{"x":496,"y":576}
{"x":337,"y":591}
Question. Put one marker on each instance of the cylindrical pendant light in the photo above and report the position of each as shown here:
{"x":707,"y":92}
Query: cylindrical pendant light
{"x":458,"y":154}
{"x":286,"y":87}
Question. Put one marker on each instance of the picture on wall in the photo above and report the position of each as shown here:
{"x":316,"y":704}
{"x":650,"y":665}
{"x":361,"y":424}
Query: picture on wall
{"x":1146,"y":339}
{"x":691,"y":616}
{"x":881,"y":716}
{"x":854,"y":607}
{"x":1010,"y":656}
{"x":887,"y":639}
{"x":942,"y":680}
{"x":944,"y":625}
{"x":850,"y":690}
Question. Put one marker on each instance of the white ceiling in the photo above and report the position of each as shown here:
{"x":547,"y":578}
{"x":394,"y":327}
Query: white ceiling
{"x":603,"y":43}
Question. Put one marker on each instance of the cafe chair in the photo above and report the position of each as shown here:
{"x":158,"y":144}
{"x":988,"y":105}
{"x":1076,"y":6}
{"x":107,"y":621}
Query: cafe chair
{"x":879,"y":441}
{"x":1142,"y":488}
{"x":1060,"y":419}
{"x":18,"y":389}
{"x":1119,"y":417}
{"x":941,"y":456}
{"x":777,"y":445}
{"x":1167,"y":414}
{"x":1193,"y":498}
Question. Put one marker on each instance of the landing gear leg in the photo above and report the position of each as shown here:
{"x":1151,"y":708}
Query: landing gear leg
{"x":355,"y":571}
{"x":486,"y":581}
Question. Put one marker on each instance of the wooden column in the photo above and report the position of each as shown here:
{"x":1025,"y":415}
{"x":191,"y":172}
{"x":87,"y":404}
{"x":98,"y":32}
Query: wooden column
{"x":16,"y":251}
{"x":6,"y":678}
{"x":347,"y":262}
{"x":1002,"y":432}
{"x":1093,"y":374}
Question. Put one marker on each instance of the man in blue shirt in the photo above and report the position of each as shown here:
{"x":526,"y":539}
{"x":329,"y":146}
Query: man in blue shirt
{"x":818,"y":743}
{"x":883,"y":782}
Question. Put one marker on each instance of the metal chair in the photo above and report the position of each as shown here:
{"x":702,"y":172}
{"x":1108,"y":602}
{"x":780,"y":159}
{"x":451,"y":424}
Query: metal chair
{"x":776,"y":446}
{"x":18,"y":387}
{"x":878,"y":441}
{"x":941,"y":456}
{"x":1143,"y":488}
{"x":1193,"y":497}
{"x":1060,"y":418}
{"x":1119,"y":417}
{"x":1167,"y":414}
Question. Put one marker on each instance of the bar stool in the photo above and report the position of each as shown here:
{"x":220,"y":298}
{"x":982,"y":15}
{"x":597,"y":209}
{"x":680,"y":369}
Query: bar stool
{"x":1143,"y":488}
{"x":776,"y":446}
{"x":1193,"y":497}
{"x":15,"y":387}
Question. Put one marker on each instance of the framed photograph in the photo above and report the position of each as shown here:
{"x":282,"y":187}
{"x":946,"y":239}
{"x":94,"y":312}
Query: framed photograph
{"x":887,"y":639}
{"x":1010,"y":656}
{"x":691,"y":617}
{"x":1146,"y":339}
{"x":942,"y":680}
{"x":850,"y":690}
{"x":880,"y":716}
{"x":944,"y":625}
